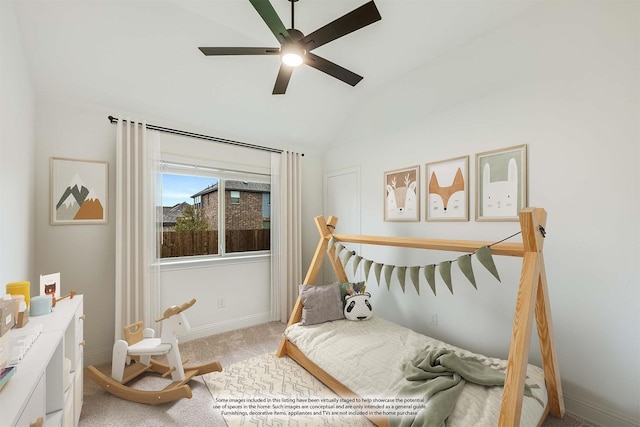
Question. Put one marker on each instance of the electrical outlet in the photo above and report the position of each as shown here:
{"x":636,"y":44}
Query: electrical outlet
{"x":221,"y":302}
{"x":434,"y":319}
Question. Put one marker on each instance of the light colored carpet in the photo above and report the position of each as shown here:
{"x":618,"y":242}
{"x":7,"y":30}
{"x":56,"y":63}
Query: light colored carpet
{"x":102,"y":409}
{"x":270,"y":391}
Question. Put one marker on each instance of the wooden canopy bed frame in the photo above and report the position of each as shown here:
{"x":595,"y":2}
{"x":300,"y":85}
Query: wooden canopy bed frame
{"x":532,"y":300}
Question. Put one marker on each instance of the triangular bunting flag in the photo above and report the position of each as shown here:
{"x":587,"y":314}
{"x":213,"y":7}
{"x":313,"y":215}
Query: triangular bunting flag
{"x":347,"y":256}
{"x":388,"y":270}
{"x":356,"y":263}
{"x":445,"y":272}
{"x":414,"y":273}
{"x":444,"y":268}
{"x":486,"y":259}
{"x":430,"y":275}
{"x":464,"y":262}
{"x":332,"y":242}
{"x":367,"y":268}
{"x":377,"y":268}
{"x":401,"y":272}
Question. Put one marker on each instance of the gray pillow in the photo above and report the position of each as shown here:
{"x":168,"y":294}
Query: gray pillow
{"x":320,"y":303}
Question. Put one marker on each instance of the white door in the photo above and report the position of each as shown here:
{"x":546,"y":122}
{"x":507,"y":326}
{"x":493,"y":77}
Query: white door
{"x":342,"y":199}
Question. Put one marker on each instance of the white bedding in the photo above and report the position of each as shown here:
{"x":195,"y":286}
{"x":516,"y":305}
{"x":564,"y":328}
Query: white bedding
{"x":367,"y":357}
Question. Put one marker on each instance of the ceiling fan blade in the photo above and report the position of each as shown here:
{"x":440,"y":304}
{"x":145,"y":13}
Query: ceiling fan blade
{"x":240,"y":50}
{"x":271,"y":18}
{"x":352,"y":21}
{"x":282,"y":81}
{"x":332,"y":69}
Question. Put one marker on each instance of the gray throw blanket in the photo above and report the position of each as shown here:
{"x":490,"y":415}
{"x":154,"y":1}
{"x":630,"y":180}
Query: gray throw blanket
{"x":438,"y":376}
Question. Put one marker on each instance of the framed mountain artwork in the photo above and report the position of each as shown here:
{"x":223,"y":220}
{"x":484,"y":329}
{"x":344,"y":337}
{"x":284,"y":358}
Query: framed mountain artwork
{"x":79,"y":190}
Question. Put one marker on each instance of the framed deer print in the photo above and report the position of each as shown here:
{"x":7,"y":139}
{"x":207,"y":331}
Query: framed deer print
{"x":501,"y":183}
{"x":447,"y":190}
{"x":402,"y":194}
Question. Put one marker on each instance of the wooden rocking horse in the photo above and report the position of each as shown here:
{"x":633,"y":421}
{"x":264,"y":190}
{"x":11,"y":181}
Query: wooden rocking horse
{"x":133,"y":357}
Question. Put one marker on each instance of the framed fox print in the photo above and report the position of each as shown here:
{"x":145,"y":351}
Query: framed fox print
{"x":501,"y":183}
{"x":447,"y":190}
{"x":402,"y":195}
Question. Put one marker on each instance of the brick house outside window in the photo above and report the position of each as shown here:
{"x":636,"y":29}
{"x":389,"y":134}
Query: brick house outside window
{"x":248,"y":205}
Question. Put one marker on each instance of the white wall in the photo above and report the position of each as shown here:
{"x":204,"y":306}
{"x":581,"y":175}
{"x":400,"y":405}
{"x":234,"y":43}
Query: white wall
{"x":84,"y":254}
{"x":17,"y":163}
{"x":564,"y":79}
{"x":243,"y":283}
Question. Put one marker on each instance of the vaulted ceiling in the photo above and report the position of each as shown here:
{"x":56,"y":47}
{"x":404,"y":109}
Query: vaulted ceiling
{"x":142,"y":57}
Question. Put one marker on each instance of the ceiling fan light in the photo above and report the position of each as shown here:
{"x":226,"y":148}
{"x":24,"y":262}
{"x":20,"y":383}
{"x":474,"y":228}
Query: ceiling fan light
{"x":292,"y":59}
{"x":292,"y":55}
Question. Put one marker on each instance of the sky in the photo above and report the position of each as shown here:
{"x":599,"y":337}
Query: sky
{"x":179,"y":188}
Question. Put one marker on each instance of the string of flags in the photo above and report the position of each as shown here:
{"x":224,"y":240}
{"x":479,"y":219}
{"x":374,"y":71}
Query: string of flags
{"x":483,"y":255}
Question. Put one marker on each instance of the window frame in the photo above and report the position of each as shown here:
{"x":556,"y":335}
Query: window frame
{"x":221,"y":174}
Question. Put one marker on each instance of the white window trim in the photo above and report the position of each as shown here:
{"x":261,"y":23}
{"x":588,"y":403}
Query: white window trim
{"x":179,"y":168}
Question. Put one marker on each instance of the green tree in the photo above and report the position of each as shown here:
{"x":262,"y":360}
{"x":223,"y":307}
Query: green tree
{"x":192,"y":219}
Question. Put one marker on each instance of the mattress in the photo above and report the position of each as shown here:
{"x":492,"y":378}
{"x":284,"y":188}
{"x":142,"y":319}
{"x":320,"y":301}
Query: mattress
{"x":368,"y":358}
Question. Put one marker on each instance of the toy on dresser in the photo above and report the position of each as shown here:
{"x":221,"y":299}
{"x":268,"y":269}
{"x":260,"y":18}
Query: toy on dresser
{"x":6,"y":323}
{"x":20,"y":294}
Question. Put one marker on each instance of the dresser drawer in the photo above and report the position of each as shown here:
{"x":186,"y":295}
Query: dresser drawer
{"x":35,"y":407}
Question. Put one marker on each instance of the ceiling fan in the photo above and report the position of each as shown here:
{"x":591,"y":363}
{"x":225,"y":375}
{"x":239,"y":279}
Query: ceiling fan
{"x":295,"y":48}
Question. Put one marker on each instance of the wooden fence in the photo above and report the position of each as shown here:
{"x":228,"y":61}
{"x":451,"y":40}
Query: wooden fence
{"x":191,"y":243}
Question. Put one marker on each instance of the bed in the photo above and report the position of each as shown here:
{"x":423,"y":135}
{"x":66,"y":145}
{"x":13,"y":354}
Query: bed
{"x":529,"y":393}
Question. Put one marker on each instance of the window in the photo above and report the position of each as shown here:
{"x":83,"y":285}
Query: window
{"x":235,"y":197}
{"x":209,"y":212}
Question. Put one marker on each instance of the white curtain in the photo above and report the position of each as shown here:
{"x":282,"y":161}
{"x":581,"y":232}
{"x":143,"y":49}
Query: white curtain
{"x":136,"y":270}
{"x":286,"y":239}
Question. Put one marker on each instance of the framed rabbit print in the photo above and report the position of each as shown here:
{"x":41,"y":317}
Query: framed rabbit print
{"x":501,"y":183}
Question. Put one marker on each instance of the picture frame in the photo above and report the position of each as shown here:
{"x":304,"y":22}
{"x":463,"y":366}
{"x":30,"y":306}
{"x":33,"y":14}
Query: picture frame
{"x":79,"y":191}
{"x":501,"y":183}
{"x":50,"y":285}
{"x":447,"y":190}
{"x":402,"y":194}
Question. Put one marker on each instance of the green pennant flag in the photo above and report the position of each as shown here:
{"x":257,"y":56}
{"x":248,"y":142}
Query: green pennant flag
{"x":445,"y":272}
{"x":430,"y":275}
{"x":377,"y":268}
{"x":464,"y":262}
{"x":486,"y":259}
{"x":339,"y":249}
{"x":388,"y":270}
{"x":332,"y":242}
{"x":356,"y":263}
{"x":347,"y":257}
{"x":414,"y":273}
{"x":401,"y":272}
{"x":367,"y":267}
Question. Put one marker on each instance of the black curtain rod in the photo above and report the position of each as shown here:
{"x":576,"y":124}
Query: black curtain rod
{"x":205,"y":137}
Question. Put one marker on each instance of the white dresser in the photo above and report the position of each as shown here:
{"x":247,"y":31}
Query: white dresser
{"x":36,"y":394}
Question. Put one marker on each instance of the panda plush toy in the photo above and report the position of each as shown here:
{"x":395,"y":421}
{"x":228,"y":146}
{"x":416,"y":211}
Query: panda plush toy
{"x":357,"y":306}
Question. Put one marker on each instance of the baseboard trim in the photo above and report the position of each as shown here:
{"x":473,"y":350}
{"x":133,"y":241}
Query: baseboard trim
{"x":104,"y":355}
{"x":226,"y":326}
{"x":596,"y":413}
{"x":98,"y":356}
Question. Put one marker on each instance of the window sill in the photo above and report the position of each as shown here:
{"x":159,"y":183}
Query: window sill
{"x":211,"y":261}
